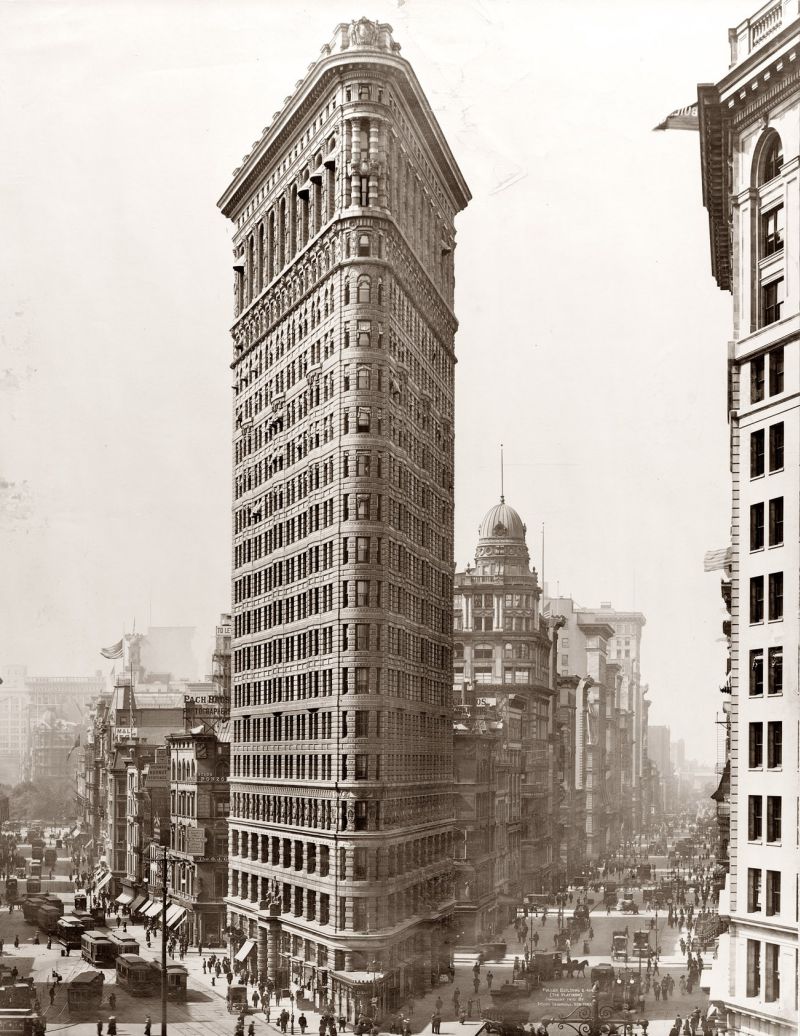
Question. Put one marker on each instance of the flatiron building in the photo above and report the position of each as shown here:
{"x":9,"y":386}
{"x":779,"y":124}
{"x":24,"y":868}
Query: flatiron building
{"x":341,"y":819}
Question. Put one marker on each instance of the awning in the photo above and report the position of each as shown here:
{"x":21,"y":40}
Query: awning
{"x":124,"y":898}
{"x":153,"y":908}
{"x":175,"y":915}
{"x":138,"y":903}
{"x":102,"y":882}
{"x":244,"y":950}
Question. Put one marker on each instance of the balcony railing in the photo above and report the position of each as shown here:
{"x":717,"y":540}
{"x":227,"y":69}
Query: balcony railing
{"x":753,"y":31}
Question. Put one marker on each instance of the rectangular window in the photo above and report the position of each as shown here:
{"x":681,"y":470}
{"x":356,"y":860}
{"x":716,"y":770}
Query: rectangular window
{"x":757,"y":379}
{"x":775,"y":521}
{"x":771,"y":302}
{"x":772,"y":231}
{"x":757,"y":599}
{"x":756,"y":526}
{"x":776,"y":371}
{"x":756,"y":745}
{"x":775,"y":675}
{"x":753,"y":967}
{"x":773,"y":892}
{"x":772,"y":990}
{"x":757,"y":453}
{"x":362,"y":549}
{"x":362,"y":766}
{"x":774,"y":744}
{"x":362,"y":723}
{"x":774,"y":818}
{"x":754,"y":817}
{"x":756,"y":672}
{"x":775,"y":596}
{"x":775,"y":447}
{"x":753,"y":890}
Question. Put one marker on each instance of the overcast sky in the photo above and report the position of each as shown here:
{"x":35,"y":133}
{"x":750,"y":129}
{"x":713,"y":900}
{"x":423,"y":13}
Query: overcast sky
{"x":592,"y":337}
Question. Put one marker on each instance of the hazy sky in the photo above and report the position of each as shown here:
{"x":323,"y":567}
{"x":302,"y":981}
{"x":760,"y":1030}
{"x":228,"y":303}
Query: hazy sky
{"x":592,"y":337}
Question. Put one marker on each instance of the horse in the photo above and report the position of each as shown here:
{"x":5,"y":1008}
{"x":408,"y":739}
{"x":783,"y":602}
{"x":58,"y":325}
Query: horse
{"x":575,"y":966}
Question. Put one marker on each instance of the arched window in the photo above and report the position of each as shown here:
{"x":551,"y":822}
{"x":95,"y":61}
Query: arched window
{"x":364,"y":246}
{"x":771,"y":159}
{"x":364,"y":290}
{"x":508,"y":651}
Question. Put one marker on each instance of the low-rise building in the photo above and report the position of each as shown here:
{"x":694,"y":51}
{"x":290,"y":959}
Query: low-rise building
{"x":199,"y":807}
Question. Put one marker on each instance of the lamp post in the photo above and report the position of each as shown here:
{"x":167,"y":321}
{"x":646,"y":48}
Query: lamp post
{"x":375,"y":966}
{"x":162,"y":843}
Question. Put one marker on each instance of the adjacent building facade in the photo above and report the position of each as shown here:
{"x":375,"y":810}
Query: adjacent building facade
{"x":341,"y":826}
{"x":503,"y":674}
{"x":749,"y":126}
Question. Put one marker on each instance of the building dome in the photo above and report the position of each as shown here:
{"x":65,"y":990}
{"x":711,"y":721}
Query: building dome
{"x":502,"y":522}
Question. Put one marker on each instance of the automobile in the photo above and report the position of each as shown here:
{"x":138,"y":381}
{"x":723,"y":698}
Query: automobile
{"x":628,"y":906}
{"x":237,"y":999}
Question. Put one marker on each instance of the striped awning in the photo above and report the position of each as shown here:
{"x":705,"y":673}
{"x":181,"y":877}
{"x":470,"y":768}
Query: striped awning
{"x":103,"y":881}
{"x":124,"y":898}
{"x":175,"y":914}
{"x":154,"y":907}
{"x":244,"y":950}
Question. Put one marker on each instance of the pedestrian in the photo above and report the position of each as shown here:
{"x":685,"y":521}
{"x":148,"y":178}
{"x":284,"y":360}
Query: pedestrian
{"x":439,"y":1003}
{"x":16,"y":942}
{"x":204,"y":966}
{"x":302,"y":1021}
{"x":462,"y":1016}
{"x":457,"y":996}
{"x":52,"y":994}
{"x":147,"y":1025}
{"x":657,"y":990}
{"x":99,"y":1028}
{"x":251,"y":1028}
{"x":49,"y":942}
{"x":476,"y":983}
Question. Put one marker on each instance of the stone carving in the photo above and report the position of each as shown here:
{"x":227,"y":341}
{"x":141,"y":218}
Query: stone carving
{"x":363,"y":33}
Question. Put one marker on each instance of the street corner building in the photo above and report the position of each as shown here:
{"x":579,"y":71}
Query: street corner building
{"x":749,"y":125}
{"x":341,"y":872}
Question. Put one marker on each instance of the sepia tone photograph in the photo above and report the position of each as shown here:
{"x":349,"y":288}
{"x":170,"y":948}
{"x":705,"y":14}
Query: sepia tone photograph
{"x":398,"y":413}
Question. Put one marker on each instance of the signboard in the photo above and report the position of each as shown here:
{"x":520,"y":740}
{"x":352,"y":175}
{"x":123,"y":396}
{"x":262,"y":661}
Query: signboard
{"x":195,"y":841}
{"x":122,"y":733}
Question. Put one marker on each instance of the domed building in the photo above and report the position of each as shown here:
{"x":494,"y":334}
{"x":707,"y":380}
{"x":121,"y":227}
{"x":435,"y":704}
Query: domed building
{"x":503,"y":685}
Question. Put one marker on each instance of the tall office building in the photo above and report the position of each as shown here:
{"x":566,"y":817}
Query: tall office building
{"x":341,"y":757}
{"x":749,"y":126}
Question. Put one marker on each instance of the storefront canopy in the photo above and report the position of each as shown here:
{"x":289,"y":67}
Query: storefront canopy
{"x":244,"y":950}
{"x":154,"y":907}
{"x":103,"y":881}
{"x":138,"y":903}
{"x":175,"y":915}
{"x":124,"y":898}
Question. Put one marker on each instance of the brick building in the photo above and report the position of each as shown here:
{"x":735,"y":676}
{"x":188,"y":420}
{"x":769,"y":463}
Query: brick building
{"x":341,"y":827}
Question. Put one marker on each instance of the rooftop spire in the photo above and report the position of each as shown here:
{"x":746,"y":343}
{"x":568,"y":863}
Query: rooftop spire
{"x":502,"y":487}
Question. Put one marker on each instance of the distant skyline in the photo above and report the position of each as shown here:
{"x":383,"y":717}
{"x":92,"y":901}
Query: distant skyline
{"x":592,"y":337}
